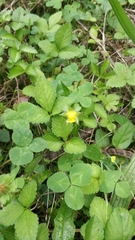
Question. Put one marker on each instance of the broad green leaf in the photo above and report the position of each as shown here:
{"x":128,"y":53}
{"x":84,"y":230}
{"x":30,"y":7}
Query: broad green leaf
{"x":64,"y":163}
{"x":63,"y":36}
{"x":60,"y":103}
{"x":110,"y":179}
{"x":74,"y":198}
{"x":100,"y":111}
{"x":54,"y":19}
{"x":22,"y":136}
{"x":60,"y":127}
{"x":123,"y":136}
{"x":74,"y":145}
{"x":32,"y":113}
{"x":20,"y":155}
{"x":44,"y":94}
{"x":12,"y":119}
{"x":101,"y":138}
{"x":93,"y":152}
{"x":37,"y":145}
{"x":43,"y":232}
{"x":18,"y":14}
{"x":48,"y":48}
{"x":28,"y":194}
{"x":58,"y":182}
{"x":92,"y":187}
{"x":64,"y":224}
{"x":100,"y":208}
{"x":9,"y":233}
{"x":53,"y":143}
{"x":69,"y":52}
{"x":32,"y":165}
{"x":85,"y":89}
{"x":80,"y":174}
{"x":123,"y":189}
{"x":94,"y":229}
{"x":54,"y":3}
{"x":4,"y":135}
{"x":10,"y":214}
{"x":90,"y":122}
{"x":42,"y":25}
{"x":29,"y":91}
{"x":124,"y":225}
{"x":14,"y":54}
{"x":116,"y":81}
{"x":16,"y":71}
{"x":27,"y":225}
{"x":85,"y":101}
{"x":28,"y":49}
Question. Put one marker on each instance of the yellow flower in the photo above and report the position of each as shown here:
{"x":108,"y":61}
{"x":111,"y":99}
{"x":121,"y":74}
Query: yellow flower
{"x":71,"y":116}
{"x":113,"y":159}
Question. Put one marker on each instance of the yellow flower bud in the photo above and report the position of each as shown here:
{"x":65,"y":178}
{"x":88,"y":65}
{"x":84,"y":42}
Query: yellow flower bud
{"x":71,"y":116}
{"x":113,"y":159}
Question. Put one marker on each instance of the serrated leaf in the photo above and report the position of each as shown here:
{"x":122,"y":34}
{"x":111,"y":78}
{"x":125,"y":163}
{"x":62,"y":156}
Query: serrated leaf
{"x":69,"y":52}
{"x":61,"y":181}
{"x":32,"y":113}
{"x":48,"y":48}
{"x":116,"y":81}
{"x":10,"y":214}
{"x":60,"y":127}
{"x":53,"y":143}
{"x":9,"y":233}
{"x":94,"y":229}
{"x":28,"y":194}
{"x":74,"y":145}
{"x":74,"y":198}
{"x":64,"y":227}
{"x":93,"y":152}
{"x":124,"y":225}
{"x":103,"y":212}
{"x":14,"y":54}
{"x":43,"y":232}
{"x":28,"y":49}
{"x":123,"y":189}
{"x":44,"y":94}
{"x":20,"y":155}
{"x":54,"y":19}
{"x":37,"y":145}
{"x":27,"y":226}
{"x":60,"y":103}
{"x":16,"y":71}
{"x":100,"y":111}
{"x":123,"y":136}
{"x":63,"y":36}
{"x":80,"y":174}
{"x":22,"y":136}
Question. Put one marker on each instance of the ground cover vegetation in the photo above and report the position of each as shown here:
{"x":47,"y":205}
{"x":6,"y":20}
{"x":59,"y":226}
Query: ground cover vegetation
{"x":67,"y":77}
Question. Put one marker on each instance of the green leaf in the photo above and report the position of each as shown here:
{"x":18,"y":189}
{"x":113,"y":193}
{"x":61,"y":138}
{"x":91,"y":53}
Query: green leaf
{"x":85,"y":101}
{"x":64,"y":163}
{"x":28,"y":49}
{"x":37,"y":145}
{"x":101,"y":138}
{"x":48,"y":48}
{"x":85,"y":89}
{"x":14,"y":54}
{"x":44,"y":94}
{"x":29,"y":91}
{"x":16,"y":71}
{"x":42,"y":232}
{"x":63,"y":36}
{"x":58,"y":182}
{"x":123,"y":189}
{"x":20,"y":155}
{"x":94,"y":229}
{"x":32,"y":113}
{"x":133,"y":102}
{"x":22,"y":136}
{"x":74,"y":145}
{"x":90,"y":122}
{"x":32,"y":165}
{"x":100,"y":111}
{"x":123,"y":19}
{"x":53,"y":143}
{"x":93,"y":152}
{"x":110,"y":179}
{"x":10,"y":214}
{"x":60,"y":127}
{"x":42,"y":25}
{"x":54,"y":3}
{"x":80,"y":174}
{"x":100,"y":208}
{"x":64,"y":223}
{"x":18,"y":14}
{"x":74,"y":198}
{"x":12,"y":119}
{"x":28,"y":194}
{"x":123,"y":136}
{"x":54,"y":19}
{"x":9,"y":233}
{"x":27,"y":225}
{"x":60,"y":103}
{"x":4,"y":135}
{"x":69,"y":52}
{"x":124,"y":225}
